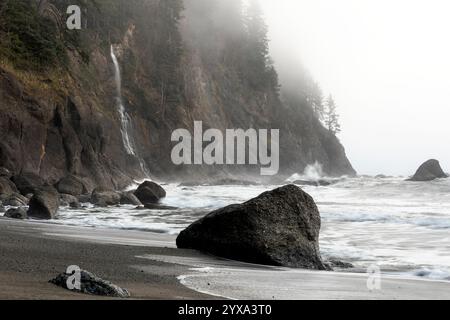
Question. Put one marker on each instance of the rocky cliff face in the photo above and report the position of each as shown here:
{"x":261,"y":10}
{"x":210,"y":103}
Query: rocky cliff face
{"x":58,"y":109}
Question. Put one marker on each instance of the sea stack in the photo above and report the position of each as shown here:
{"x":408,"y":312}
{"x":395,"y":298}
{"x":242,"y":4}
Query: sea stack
{"x":429,"y":171}
{"x":279,"y":227}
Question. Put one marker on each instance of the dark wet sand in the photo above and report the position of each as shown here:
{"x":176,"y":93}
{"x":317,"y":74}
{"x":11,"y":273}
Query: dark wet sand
{"x":33,"y":253}
{"x":148,"y":264}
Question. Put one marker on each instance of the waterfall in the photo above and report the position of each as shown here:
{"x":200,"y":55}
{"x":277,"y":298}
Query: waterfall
{"x":125,"y":120}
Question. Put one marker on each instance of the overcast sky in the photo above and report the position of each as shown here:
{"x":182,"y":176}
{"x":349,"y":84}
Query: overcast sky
{"x":387,"y":63}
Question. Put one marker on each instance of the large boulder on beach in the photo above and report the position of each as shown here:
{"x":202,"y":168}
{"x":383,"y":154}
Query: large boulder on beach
{"x":44,"y":204}
{"x":90,"y":284}
{"x":279,"y":227}
{"x":71,"y":185}
{"x":150,"y":192}
{"x":28,"y":182}
{"x":104,"y":197}
{"x":19,"y":213}
{"x":429,"y":171}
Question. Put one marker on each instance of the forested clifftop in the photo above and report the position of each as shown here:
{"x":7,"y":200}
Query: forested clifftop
{"x":181,"y":61}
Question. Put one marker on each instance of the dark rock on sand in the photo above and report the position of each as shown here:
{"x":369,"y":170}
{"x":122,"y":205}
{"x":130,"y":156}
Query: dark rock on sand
{"x":91,"y":284}
{"x":429,"y":171}
{"x":279,"y":227}
{"x":71,"y":185}
{"x":19,"y":213}
{"x":16,"y":200}
{"x":44,"y":204}
{"x":28,"y":182}
{"x":150,"y":192}
{"x":128,"y":197}
{"x":67,"y":200}
{"x":104,"y":197}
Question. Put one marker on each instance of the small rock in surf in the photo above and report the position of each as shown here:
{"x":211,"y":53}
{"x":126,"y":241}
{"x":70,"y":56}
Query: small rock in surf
{"x":150,"y":192}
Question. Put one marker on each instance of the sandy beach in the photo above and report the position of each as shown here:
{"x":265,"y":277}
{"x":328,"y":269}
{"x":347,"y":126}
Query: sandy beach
{"x":150,"y":267}
{"x":32,"y":253}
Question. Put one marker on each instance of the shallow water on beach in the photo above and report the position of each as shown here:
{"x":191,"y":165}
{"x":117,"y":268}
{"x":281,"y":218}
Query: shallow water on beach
{"x":403,"y":227}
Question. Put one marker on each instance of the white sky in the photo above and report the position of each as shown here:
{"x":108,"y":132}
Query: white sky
{"x":387,"y":63}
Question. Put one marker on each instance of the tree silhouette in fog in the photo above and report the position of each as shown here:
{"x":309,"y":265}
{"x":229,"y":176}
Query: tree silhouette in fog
{"x":331,"y":116}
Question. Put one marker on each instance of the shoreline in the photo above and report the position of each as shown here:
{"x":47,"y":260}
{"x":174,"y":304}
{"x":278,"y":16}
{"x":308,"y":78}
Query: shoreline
{"x":32,"y":253}
{"x":151,"y":267}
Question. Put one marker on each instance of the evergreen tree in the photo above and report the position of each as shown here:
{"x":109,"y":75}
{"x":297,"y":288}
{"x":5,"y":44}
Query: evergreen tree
{"x":331,"y":116}
{"x":316,"y":100}
{"x":167,"y":54}
{"x":259,"y":67}
{"x":229,"y":27}
{"x":27,"y":39}
{"x":257,"y":34}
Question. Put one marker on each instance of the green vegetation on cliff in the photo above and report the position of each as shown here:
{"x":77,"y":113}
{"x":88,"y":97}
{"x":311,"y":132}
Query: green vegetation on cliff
{"x":29,"y":40}
{"x":181,"y":61}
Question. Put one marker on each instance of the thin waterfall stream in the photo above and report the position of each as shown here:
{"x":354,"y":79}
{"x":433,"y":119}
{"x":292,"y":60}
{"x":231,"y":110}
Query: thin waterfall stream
{"x":125,"y":119}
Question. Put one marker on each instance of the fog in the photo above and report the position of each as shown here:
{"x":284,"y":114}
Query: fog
{"x":387,"y":64}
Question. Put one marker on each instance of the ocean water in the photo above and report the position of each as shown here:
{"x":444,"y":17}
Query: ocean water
{"x":401,"y":227}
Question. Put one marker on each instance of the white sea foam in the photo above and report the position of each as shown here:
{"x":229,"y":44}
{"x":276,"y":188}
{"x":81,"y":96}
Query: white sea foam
{"x":402,"y":226}
{"x":433,"y":274}
{"x":313,"y":172}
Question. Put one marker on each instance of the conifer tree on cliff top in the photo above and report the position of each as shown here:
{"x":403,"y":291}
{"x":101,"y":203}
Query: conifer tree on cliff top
{"x":260,"y":71}
{"x":331,"y":116}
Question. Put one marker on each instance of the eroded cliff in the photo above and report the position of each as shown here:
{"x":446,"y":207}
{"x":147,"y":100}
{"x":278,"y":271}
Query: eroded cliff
{"x":180,"y":62}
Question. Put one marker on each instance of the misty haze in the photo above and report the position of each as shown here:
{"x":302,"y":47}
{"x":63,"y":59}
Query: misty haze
{"x":232,"y":149}
{"x":385,"y":62}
